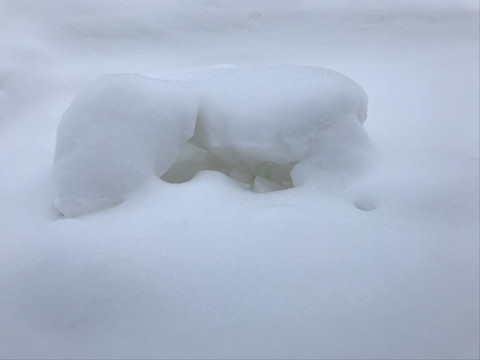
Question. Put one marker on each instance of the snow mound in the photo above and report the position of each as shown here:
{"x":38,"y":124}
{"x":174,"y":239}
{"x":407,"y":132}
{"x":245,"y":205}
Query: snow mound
{"x":115,"y":136}
{"x":275,"y":114}
{"x":268,"y":128}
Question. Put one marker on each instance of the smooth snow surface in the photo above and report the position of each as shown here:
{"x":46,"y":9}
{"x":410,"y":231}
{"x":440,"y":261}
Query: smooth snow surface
{"x":124,"y":129}
{"x":115,"y":136}
{"x":375,"y":261}
{"x":280,"y":114}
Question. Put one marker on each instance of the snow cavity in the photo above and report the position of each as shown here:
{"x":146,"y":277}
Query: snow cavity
{"x":259,"y":177}
{"x":267,"y":128}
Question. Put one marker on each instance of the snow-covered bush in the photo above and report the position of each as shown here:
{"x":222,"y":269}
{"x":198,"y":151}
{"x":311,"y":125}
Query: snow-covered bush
{"x":268,"y":128}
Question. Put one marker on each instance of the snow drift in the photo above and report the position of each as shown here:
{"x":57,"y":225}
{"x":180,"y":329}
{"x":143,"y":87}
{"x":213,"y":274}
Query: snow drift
{"x":268,"y":128}
{"x":382,"y":266}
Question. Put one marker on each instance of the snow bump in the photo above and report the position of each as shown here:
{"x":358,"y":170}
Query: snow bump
{"x":119,"y":132}
{"x":268,"y":128}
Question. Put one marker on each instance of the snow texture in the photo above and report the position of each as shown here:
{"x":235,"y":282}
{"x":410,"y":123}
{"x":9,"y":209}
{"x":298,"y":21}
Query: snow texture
{"x":254,"y":124}
{"x":115,"y":136}
{"x":378,"y":260}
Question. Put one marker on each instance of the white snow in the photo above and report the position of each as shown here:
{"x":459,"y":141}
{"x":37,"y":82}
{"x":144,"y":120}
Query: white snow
{"x":283,"y":115}
{"x":277,"y":113}
{"x":124,"y":129}
{"x":115,"y":136}
{"x":377,"y":261}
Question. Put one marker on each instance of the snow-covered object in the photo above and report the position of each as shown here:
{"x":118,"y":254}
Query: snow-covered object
{"x":115,"y":135}
{"x":254,"y":124}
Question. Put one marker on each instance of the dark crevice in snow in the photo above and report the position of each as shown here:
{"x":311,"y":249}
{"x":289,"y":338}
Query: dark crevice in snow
{"x":258,"y":177}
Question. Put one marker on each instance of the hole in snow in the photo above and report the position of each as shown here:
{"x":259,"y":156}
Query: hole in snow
{"x":365,"y":204}
{"x":258,"y":177}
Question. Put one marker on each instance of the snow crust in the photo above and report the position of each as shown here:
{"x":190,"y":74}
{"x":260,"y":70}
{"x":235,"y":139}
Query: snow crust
{"x":254,"y":124}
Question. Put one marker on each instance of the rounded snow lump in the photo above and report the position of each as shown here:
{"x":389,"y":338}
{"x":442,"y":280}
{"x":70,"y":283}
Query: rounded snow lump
{"x":255,"y":124}
{"x":118,"y":133}
{"x":275,"y":113}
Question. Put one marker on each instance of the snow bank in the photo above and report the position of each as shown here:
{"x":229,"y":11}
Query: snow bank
{"x":253,"y":124}
{"x":115,"y":135}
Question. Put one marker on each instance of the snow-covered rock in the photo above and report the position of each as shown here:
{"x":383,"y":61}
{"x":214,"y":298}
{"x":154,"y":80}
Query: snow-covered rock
{"x":254,"y":124}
